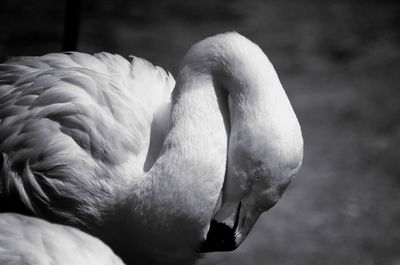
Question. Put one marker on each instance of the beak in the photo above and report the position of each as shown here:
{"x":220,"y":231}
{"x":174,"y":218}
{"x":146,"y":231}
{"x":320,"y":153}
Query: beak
{"x":230,"y":226}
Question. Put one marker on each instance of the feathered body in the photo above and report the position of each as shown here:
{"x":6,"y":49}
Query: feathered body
{"x":29,"y":241}
{"x":70,"y":122}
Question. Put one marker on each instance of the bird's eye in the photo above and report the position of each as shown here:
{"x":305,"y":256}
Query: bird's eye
{"x":258,"y":178}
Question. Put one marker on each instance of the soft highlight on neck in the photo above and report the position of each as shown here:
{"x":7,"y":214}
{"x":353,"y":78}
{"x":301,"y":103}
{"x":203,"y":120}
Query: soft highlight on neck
{"x":260,"y":111}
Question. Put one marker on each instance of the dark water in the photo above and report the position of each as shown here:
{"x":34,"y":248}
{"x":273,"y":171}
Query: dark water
{"x":340,"y":64}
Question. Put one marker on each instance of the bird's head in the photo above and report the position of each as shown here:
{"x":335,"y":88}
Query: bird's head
{"x":265,"y":147}
{"x":259,"y":170}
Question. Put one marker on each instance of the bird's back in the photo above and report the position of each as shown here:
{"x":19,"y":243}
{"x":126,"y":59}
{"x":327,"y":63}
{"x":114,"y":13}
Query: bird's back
{"x":32,"y":241}
{"x":73,"y":128}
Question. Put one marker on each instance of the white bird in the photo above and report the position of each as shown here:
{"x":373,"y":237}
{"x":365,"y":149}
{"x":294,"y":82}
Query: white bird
{"x":94,"y":142}
{"x":33,"y":241}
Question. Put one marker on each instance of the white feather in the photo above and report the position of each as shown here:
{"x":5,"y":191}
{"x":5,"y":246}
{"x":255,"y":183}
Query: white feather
{"x":30,"y":241}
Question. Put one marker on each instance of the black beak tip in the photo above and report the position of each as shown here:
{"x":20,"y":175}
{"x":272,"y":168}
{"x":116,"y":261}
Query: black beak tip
{"x":220,"y":237}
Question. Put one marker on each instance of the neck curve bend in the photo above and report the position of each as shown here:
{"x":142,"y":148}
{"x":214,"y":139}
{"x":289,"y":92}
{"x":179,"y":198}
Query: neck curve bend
{"x":225,"y":87}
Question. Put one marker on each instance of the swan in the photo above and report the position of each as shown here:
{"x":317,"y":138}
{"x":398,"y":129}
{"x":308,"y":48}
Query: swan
{"x":28,"y":240}
{"x":118,"y":150}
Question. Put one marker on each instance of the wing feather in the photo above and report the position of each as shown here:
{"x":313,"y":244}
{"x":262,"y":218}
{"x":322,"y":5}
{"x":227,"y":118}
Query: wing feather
{"x":68,"y":120}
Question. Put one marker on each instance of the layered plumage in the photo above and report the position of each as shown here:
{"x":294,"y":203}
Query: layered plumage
{"x":69,"y":119}
{"x":32,"y":241}
{"x":94,"y":142}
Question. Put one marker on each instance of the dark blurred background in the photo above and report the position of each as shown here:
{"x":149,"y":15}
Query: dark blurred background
{"x":339,"y":62}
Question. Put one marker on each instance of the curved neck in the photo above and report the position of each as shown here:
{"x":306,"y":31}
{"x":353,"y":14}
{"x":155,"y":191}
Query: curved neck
{"x":183,"y":186}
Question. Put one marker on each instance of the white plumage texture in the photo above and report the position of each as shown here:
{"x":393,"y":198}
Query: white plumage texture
{"x":95,"y":142}
{"x":32,"y":241}
{"x":64,"y":116}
